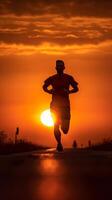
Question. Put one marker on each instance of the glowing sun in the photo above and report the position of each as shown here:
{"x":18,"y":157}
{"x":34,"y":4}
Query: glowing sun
{"x":46,"y":118}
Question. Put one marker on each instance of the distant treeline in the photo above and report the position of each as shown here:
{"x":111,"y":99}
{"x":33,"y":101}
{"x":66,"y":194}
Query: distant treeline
{"x":105,"y":145}
{"x":7,"y":146}
{"x":22,"y":146}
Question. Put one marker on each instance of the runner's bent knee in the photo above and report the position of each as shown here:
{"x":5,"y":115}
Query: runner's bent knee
{"x":65,"y":126}
{"x":65,"y":130}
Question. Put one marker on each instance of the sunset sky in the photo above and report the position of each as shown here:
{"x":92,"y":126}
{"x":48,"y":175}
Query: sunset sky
{"x":33,"y":35}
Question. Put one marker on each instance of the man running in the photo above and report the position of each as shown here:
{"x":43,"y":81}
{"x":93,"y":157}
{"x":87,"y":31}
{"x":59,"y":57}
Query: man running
{"x":60,"y":104}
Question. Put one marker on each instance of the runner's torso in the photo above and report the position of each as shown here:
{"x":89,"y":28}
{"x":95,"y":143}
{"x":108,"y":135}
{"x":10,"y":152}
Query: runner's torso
{"x":60,"y":84}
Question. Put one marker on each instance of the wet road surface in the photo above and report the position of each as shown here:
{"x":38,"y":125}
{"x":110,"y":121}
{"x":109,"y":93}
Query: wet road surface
{"x":47,"y":175}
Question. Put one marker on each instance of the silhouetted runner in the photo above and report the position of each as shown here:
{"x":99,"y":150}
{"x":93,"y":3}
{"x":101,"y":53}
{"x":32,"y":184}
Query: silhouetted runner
{"x":60,"y":104}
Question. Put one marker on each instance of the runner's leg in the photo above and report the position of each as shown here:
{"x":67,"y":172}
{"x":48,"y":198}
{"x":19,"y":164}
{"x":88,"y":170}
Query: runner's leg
{"x":65,"y":119}
{"x":57,"y":132}
{"x":65,"y":125}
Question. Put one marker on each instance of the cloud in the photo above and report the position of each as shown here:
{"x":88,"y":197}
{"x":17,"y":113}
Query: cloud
{"x":30,"y":30}
{"x":54,"y":49}
{"x":61,"y":23}
{"x":97,"y":8}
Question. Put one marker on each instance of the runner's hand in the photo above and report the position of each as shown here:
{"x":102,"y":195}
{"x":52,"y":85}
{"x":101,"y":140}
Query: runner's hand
{"x":66,"y":91}
{"x":51,"y":91}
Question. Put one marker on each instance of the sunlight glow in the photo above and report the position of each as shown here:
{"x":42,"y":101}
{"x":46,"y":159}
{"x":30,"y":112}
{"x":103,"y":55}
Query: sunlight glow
{"x":46,"y":118}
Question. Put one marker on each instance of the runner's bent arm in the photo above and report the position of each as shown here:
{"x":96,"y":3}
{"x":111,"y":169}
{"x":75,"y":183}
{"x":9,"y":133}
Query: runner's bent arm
{"x":47,"y":83}
{"x":74,"y":84}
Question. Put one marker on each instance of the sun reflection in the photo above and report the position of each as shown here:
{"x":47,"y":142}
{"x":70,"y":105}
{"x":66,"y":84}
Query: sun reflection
{"x":51,"y":189}
{"x":49,"y":166}
{"x":51,"y":186}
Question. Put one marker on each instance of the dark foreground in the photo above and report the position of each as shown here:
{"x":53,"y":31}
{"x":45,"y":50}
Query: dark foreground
{"x":47,"y":175}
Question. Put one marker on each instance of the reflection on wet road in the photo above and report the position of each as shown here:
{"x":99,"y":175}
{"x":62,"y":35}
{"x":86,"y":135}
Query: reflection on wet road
{"x":50,"y":185}
{"x":72,"y":175}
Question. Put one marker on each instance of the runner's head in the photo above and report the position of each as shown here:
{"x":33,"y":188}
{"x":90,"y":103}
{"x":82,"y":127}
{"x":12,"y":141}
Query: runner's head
{"x":60,"y":66}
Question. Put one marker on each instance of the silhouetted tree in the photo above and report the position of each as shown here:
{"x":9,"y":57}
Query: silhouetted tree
{"x":75,"y":144}
{"x":16,"y":134}
{"x":89,"y":143}
{"x":3,"y":137}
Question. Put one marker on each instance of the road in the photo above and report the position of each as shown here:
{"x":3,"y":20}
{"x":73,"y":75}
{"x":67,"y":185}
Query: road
{"x":48,"y":175}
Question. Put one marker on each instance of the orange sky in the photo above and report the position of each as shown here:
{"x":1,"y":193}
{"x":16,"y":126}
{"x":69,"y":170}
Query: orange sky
{"x":31,"y":40}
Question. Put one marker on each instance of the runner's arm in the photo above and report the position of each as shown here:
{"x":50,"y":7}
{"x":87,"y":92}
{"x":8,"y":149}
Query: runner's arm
{"x":74,"y":84}
{"x":47,"y":83}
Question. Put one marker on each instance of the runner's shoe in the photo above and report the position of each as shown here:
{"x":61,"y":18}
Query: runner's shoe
{"x":59,"y":147}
